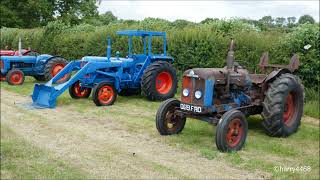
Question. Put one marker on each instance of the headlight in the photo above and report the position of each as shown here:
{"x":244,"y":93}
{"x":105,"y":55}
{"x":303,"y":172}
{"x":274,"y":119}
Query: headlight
{"x":185,"y":92}
{"x":198,"y":94}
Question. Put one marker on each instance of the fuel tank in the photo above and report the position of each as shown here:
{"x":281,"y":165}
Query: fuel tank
{"x":238,"y":76}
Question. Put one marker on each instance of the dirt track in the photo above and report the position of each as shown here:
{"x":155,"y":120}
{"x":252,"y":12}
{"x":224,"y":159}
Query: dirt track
{"x":104,"y":149}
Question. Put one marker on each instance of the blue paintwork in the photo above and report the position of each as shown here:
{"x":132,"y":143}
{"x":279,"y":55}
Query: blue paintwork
{"x":35,"y":64}
{"x":208,"y":95}
{"x":237,"y":97}
{"x":123,"y":73}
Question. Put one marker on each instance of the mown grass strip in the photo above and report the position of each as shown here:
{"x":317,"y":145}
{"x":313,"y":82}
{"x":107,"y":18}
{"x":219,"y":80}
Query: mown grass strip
{"x":22,"y":160}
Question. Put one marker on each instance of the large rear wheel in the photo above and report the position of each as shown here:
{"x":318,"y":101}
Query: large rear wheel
{"x":53,"y":67}
{"x":159,"y":81}
{"x":167,"y":121}
{"x":283,"y":106}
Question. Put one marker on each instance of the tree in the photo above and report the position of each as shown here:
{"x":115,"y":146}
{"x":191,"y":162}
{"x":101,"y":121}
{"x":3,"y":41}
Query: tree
{"x":306,"y":19}
{"x":72,"y":11}
{"x":34,"y":13}
{"x":206,"y":21}
{"x":267,"y":21}
{"x":108,"y":17}
{"x":291,"y":21}
{"x":280,"y":21}
{"x":25,"y":13}
{"x":100,"y":20}
{"x":180,"y":23}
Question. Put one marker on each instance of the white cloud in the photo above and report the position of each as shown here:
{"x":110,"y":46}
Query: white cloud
{"x":198,"y":10}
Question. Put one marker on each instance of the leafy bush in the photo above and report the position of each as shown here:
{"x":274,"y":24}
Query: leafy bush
{"x":191,"y":44}
{"x":295,"y":42}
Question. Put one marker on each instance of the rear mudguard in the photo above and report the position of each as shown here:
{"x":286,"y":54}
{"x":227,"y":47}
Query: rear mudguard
{"x":276,"y":73}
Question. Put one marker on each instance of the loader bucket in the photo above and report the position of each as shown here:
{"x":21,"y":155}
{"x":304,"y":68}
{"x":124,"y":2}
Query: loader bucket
{"x":43,"y":96}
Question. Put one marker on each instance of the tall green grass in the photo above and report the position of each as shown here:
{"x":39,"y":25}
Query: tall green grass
{"x":312,"y":105}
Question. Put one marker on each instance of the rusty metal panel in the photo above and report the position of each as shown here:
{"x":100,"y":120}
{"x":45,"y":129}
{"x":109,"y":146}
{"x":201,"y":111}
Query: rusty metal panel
{"x":186,"y":83}
{"x":198,"y":84}
{"x":192,"y":84}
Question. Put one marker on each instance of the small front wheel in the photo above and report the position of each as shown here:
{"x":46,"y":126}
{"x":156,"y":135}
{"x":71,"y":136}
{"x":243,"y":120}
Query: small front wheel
{"x":167,"y":120}
{"x":231,"y":132}
{"x":15,"y":77}
{"x":76,"y":91}
{"x":104,"y":94}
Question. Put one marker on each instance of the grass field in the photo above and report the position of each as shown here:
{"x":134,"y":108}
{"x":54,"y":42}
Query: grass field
{"x":262,"y":154}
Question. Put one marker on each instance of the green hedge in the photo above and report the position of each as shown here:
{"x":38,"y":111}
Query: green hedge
{"x":193,"y":45}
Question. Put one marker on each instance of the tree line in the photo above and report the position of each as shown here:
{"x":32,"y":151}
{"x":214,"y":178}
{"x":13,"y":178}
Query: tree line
{"x":36,"y":13}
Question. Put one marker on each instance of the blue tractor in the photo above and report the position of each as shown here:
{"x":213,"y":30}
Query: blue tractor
{"x":23,"y":63}
{"x":151,"y":74}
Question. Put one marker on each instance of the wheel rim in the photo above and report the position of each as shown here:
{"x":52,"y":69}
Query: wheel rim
{"x":80,"y":92}
{"x":16,"y":78}
{"x":289,"y":109}
{"x":235,"y":132}
{"x":105,"y":94}
{"x":163,"y":82}
{"x":171,"y":120}
{"x":56,"y":69}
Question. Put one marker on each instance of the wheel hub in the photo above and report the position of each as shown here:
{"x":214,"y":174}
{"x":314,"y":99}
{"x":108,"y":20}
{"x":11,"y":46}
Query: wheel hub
{"x":235,"y":132}
{"x":105,"y":94}
{"x":56,"y":69}
{"x":16,"y":78}
{"x":289,"y":109}
{"x":164,"y":82}
{"x":171,"y":120}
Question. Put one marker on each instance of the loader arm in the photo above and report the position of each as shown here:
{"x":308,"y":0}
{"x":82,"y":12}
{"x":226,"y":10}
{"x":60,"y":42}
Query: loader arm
{"x":45,"y":95}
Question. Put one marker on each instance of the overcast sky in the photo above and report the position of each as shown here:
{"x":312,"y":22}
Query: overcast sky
{"x":196,"y":11}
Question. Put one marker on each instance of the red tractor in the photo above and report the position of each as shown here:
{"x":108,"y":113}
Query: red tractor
{"x":24,"y":52}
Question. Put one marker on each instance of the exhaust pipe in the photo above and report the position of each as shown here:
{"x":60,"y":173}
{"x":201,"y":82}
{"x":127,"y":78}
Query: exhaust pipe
{"x":109,"y":48}
{"x":19,"y":46}
{"x":230,"y":63}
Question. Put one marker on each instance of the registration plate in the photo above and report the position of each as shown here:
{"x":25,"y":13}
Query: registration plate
{"x":188,"y":107}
